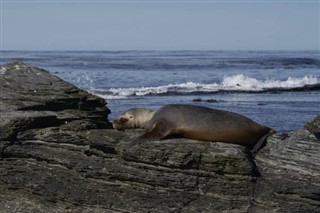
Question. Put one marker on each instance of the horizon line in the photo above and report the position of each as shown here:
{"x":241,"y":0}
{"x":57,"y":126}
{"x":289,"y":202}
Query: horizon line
{"x":159,"y":50}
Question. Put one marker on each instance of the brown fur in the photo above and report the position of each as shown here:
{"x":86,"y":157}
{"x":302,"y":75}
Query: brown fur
{"x":202,"y":123}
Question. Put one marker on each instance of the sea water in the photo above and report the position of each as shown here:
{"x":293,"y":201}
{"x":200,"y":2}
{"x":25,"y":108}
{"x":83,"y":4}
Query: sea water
{"x":280,"y":89}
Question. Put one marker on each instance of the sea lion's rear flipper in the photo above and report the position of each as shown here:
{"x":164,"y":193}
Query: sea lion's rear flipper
{"x":262,"y":142}
{"x":158,"y":132}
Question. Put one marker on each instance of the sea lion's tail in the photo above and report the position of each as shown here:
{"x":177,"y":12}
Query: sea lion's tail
{"x":262,"y":142}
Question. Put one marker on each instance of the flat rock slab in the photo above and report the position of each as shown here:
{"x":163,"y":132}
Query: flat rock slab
{"x":92,"y":170}
{"x":58,"y":155}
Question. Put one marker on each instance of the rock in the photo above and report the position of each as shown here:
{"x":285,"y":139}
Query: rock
{"x":289,"y":169}
{"x":31,"y":98}
{"x":205,"y":100}
{"x":111,"y":176}
{"x":58,"y":155}
{"x":189,"y":154}
{"x":314,"y":126}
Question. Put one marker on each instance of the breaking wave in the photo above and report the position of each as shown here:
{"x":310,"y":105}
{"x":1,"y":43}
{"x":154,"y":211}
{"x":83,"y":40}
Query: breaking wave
{"x":236,"y":83}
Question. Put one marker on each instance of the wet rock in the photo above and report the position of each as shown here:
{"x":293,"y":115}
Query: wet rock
{"x":58,"y":155}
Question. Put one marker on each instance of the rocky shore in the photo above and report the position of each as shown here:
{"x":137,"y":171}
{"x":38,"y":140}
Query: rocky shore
{"x":58,"y":153}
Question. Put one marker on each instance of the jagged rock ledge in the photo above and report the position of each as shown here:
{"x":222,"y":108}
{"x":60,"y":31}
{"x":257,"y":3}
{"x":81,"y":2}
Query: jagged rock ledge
{"x":59,"y":155}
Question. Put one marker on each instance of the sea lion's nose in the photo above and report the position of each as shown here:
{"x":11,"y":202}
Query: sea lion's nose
{"x":116,"y":125}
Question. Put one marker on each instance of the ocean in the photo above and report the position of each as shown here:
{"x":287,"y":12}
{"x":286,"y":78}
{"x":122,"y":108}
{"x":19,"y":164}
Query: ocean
{"x":280,"y":89}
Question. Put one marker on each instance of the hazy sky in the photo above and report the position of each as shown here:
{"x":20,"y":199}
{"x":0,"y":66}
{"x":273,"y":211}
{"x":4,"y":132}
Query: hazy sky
{"x":160,"y":25}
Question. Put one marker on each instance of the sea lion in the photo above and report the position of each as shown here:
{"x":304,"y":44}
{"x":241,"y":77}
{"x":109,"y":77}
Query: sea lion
{"x":193,"y":122}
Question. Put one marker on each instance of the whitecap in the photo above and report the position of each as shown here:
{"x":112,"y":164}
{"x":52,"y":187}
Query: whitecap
{"x":245,"y":83}
{"x":239,"y":83}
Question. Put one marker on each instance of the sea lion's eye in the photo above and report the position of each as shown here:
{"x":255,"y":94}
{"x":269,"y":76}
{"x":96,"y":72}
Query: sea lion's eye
{"x":123,"y":120}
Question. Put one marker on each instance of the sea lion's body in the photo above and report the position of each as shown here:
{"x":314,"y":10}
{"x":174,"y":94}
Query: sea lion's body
{"x":202,"y":123}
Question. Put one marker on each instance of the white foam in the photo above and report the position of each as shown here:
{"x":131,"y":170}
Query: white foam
{"x":188,"y":87}
{"x":231,"y":83}
{"x":109,"y":97}
{"x":17,"y":67}
{"x":83,"y":79}
{"x":3,"y":70}
{"x":244,"y":83}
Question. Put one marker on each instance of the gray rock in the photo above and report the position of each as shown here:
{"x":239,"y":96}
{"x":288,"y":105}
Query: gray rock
{"x":58,"y":155}
{"x":31,"y":98}
{"x":289,"y":167}
{"x":314,"y":126}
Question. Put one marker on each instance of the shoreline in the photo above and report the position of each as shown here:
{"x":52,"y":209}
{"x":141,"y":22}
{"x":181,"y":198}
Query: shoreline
{"x":55,"y":141}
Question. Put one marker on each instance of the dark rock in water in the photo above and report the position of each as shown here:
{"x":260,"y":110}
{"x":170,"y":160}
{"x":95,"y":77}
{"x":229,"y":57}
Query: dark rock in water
{"x":197,"y":100}
{"x":205,"y":100}
{"x":57,"y":155}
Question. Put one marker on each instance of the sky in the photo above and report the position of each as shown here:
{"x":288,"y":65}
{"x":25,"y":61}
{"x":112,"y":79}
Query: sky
{"x":160,"y":25}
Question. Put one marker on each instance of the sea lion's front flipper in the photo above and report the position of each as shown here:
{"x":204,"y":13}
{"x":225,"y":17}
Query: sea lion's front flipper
{"x":158,"y":132}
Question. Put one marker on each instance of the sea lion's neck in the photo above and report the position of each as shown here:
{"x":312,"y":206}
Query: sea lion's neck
{"x":142,"y":121}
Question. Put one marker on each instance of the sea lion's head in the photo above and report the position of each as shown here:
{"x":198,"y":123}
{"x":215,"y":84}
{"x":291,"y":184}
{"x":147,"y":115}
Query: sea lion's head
{"x":133,"y":119}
